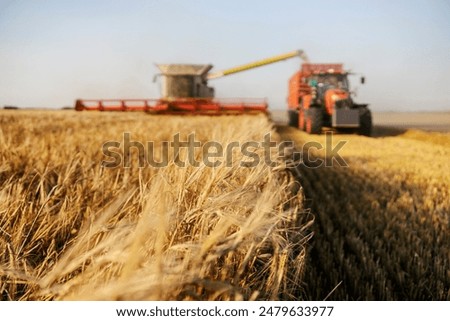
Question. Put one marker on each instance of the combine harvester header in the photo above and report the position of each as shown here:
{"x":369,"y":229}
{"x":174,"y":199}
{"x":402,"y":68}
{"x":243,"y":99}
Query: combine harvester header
{"x":185,"y":90}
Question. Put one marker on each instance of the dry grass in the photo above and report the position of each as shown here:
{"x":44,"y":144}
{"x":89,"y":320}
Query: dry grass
{"x":383,"y":223}
{"x":71,"y":229}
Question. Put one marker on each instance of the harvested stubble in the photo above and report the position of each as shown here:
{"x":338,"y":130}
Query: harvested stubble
{"x":382,"y":228}
{"x":72,"y":229}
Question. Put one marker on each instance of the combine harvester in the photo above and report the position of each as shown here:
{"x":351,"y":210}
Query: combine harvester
{"x":319,"y":96}
{"x":185,"y":91}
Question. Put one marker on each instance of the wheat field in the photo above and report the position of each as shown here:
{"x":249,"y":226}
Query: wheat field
{"x":382,"y":228}
{"x":71,"y":229}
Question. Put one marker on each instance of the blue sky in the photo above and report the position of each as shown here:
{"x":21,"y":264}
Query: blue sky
{"x":52,"y":52}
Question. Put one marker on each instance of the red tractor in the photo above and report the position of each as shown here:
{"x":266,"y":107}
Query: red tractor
{"x":319,"y":96}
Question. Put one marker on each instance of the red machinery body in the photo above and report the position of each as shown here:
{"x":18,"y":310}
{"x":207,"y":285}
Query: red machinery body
{"x":319,"y":96}
{"x":300,"y":92}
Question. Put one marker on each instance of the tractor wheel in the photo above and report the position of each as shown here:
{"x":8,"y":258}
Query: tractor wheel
{"x":293,"y":117}
{"x":313,"y":120}
{"x":301,"y":119}
{"x":365,"y":121}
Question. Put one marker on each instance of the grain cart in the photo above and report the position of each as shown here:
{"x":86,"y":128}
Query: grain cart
{"x":185,"y":90}
{"x":319,"y":96}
